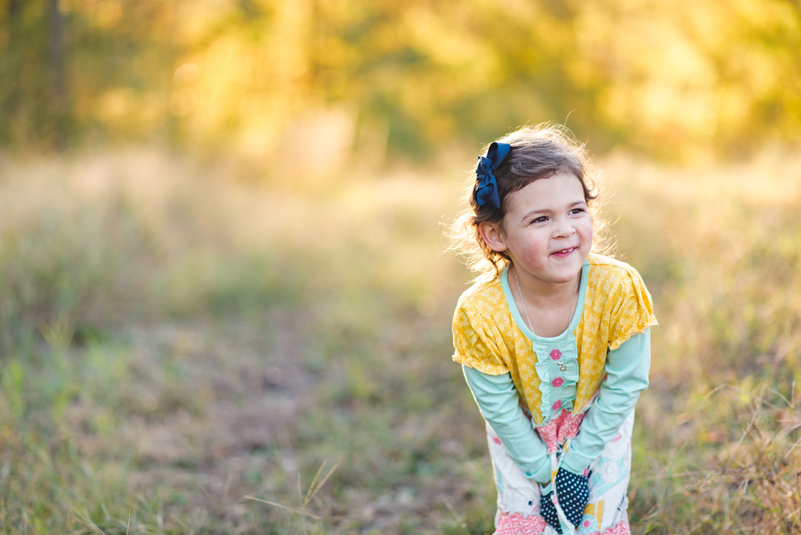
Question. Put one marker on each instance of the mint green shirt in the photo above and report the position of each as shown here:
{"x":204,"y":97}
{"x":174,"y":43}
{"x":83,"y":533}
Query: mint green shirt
{"x":626,"y":376}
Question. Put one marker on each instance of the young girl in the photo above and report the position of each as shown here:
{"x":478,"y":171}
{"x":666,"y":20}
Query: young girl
{"x":553,"y":340}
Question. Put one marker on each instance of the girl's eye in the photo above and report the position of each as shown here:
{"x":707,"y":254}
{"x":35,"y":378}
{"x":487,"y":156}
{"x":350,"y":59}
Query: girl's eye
{"x":577,"y":210}
{"x":540,"y":219}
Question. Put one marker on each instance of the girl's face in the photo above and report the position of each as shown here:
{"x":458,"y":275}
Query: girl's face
{"x":547,"y":231}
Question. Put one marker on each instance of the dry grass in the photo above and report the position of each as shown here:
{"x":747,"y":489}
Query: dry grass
{"x":181,"y":345}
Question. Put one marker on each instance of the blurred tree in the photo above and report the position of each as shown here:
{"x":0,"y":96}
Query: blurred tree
{"x":57,"y":109}
{"x":668,"y":79}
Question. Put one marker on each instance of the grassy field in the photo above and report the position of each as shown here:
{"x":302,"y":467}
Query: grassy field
{"x":189,"y":347}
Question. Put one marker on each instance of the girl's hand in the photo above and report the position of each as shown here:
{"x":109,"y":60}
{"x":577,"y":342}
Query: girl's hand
{"x":573,"y":491}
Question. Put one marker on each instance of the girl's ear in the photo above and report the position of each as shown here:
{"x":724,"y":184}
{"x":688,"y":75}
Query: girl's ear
{"x":492,"y":236}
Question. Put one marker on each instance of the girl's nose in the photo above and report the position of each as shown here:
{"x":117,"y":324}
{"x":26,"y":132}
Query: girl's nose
{"x":563,"y":229}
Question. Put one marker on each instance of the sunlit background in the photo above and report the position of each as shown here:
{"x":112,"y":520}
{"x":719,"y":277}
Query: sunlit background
{"x":225,"y":296}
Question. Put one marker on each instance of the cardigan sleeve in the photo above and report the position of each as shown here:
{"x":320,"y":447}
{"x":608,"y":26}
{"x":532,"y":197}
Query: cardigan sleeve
{"x":631,"y":311}
{"x":626,"y":376}
{"x":478,"y":341}
{"x":498,"y":400}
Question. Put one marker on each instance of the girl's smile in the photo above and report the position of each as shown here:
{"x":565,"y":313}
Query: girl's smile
{"x":564,"y":252}
{"x":547,"y":232}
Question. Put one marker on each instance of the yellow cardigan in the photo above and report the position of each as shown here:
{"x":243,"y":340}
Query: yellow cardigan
{"x":616,"y":305}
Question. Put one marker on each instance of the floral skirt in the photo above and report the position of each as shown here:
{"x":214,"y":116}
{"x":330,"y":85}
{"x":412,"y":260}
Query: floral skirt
{"x":519,"y":497}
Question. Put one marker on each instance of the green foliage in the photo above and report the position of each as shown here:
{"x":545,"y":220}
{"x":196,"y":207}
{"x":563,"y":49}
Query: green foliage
{"x":264,"y":77}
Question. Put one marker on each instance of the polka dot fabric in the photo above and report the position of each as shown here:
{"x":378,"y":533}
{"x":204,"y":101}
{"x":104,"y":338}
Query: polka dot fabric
{"x":548,"y":511}
{"x":573,"y":491}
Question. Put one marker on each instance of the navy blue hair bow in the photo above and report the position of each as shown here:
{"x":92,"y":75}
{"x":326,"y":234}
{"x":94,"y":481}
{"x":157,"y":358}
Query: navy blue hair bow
{"x":486,"y":189}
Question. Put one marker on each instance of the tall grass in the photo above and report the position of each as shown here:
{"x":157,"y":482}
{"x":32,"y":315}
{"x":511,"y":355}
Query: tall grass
{"x":182,"y":343}
{"x":720,"y":247}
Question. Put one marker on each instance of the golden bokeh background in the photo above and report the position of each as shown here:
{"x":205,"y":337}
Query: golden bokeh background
{"x":252,"y":76}
{"x":225,"y":295}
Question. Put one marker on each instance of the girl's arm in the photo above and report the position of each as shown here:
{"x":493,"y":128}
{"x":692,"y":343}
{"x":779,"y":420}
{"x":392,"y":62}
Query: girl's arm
{"x":626,"y":376}
{"x":497,"y":398}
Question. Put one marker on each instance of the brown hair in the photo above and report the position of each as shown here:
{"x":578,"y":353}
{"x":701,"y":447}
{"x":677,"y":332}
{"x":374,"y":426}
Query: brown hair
{"x":536,"y":152}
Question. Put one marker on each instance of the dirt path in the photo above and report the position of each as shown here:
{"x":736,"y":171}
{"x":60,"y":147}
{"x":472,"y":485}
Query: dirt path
{"x":210,"y":415}
{"x":216,"y":411}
